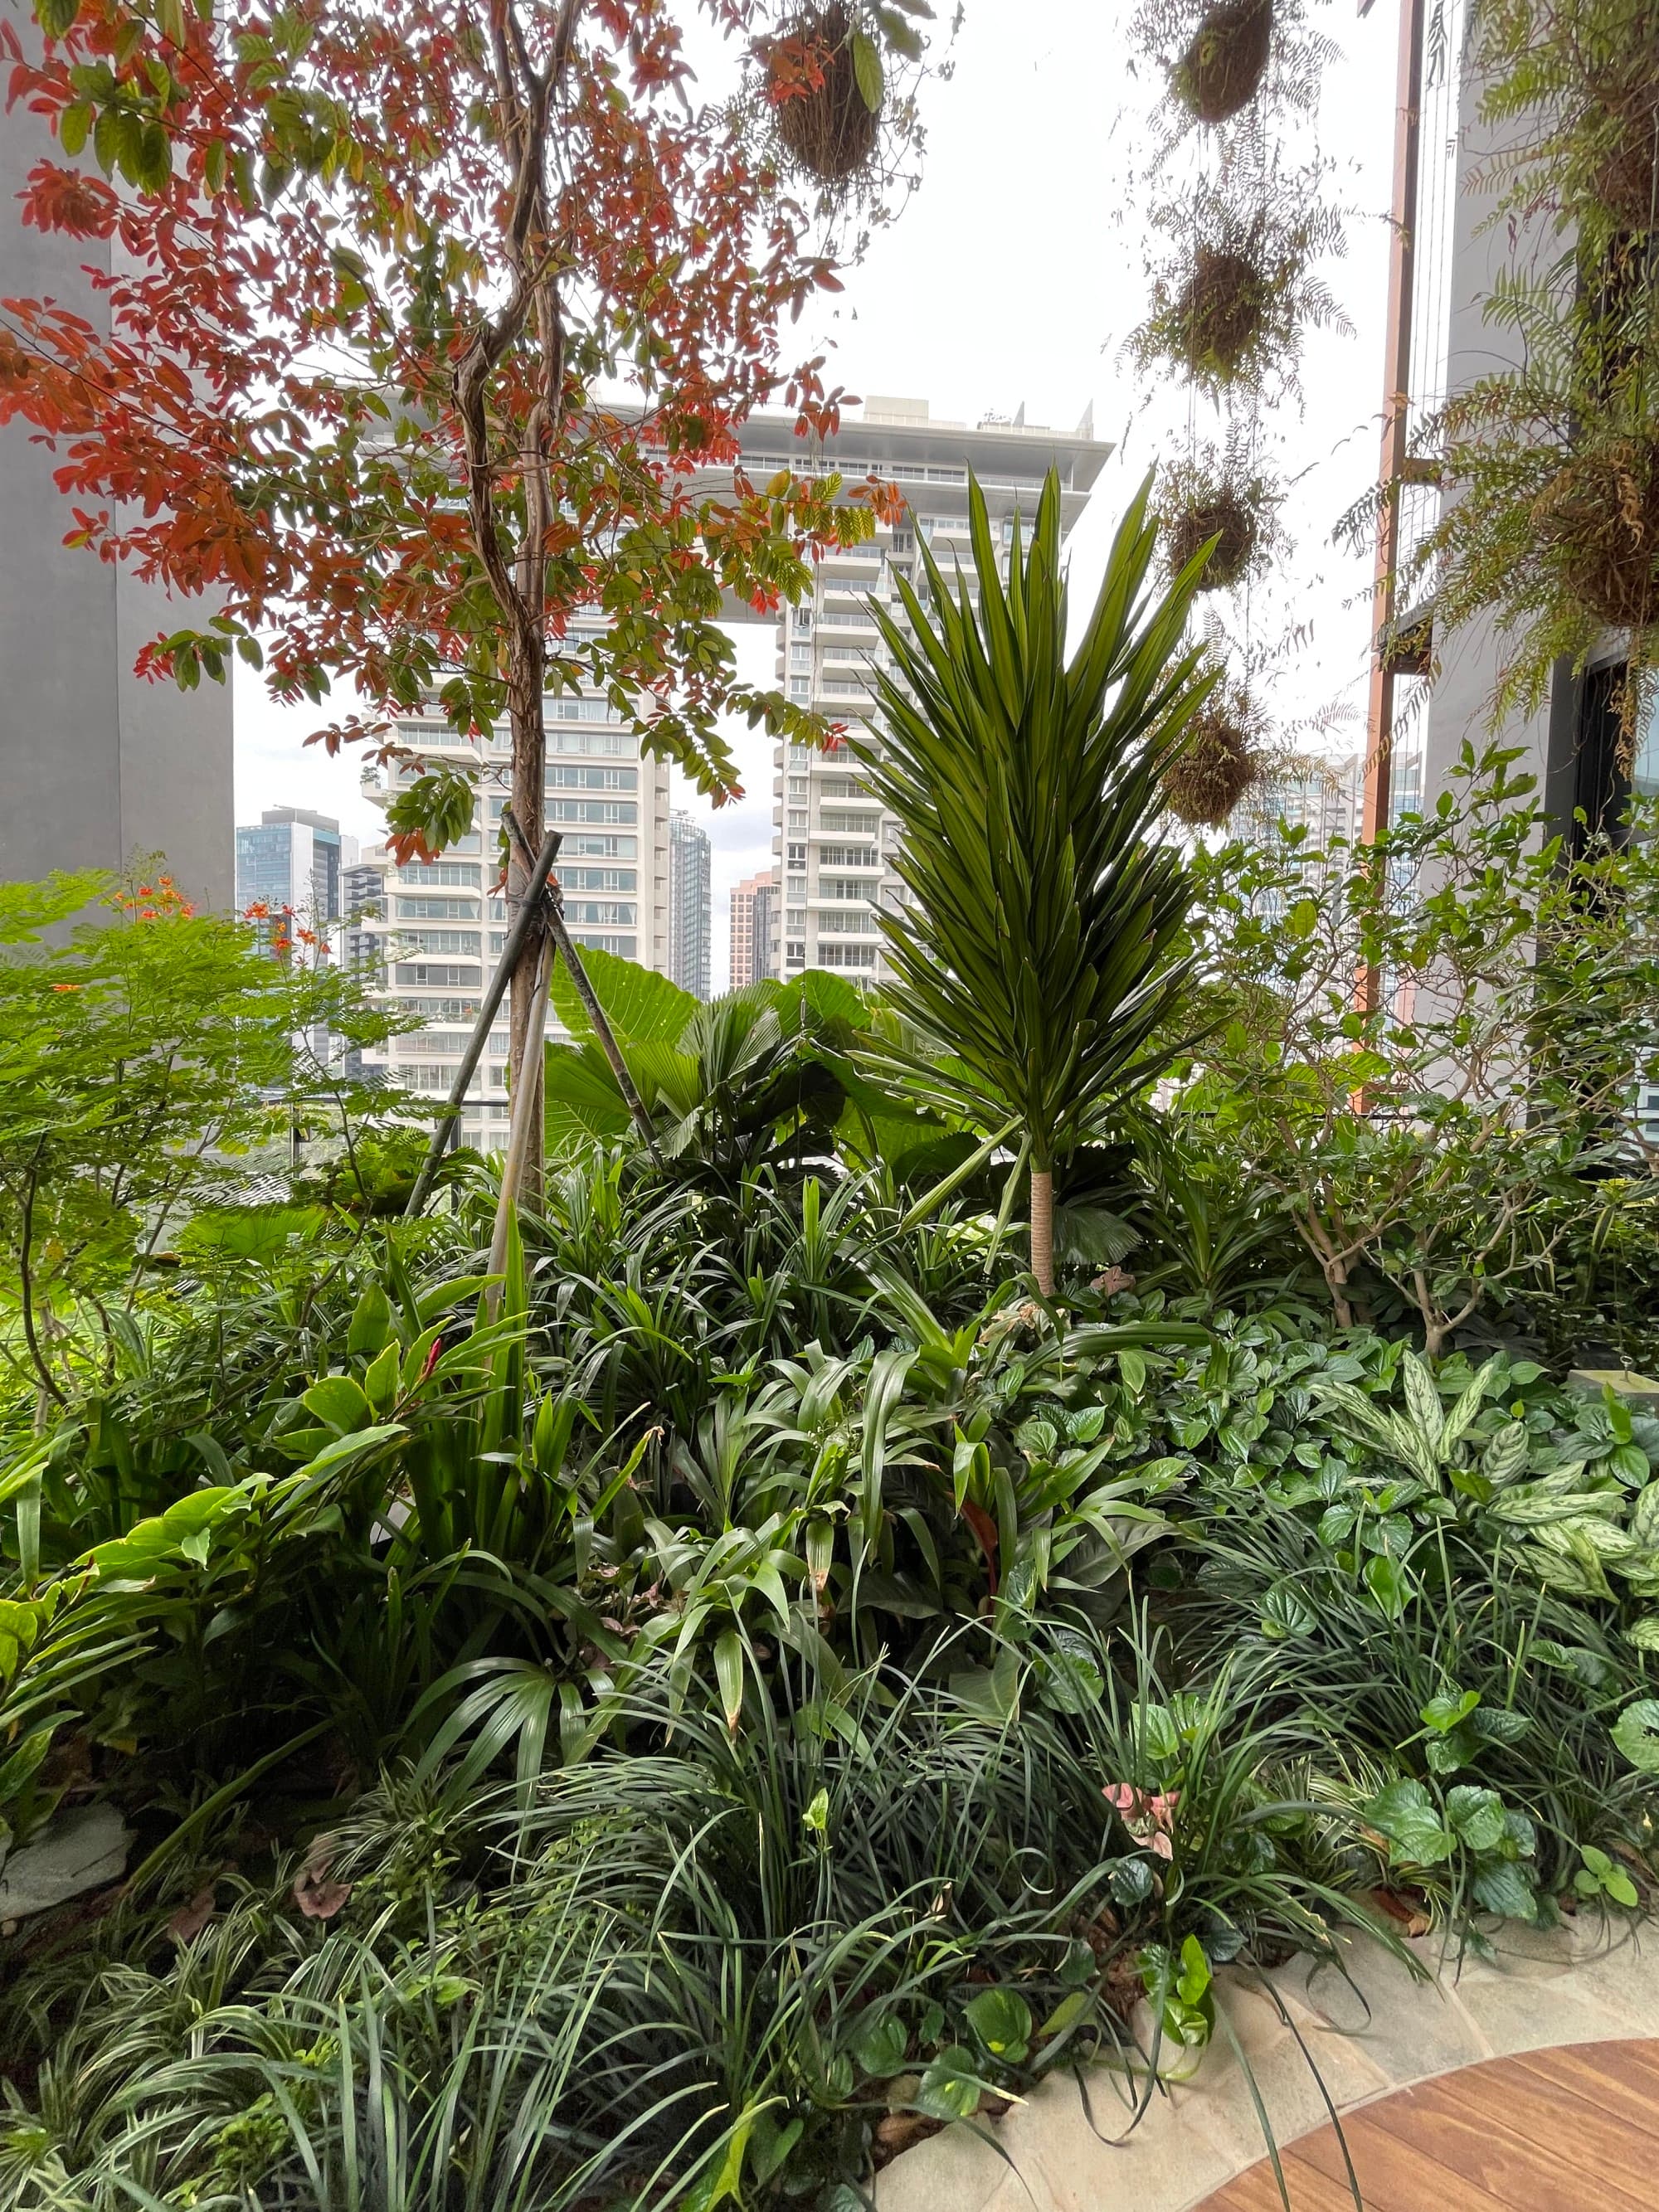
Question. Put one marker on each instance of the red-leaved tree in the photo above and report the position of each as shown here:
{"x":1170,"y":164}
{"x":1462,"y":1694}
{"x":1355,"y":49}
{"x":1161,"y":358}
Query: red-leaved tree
{"x":431,"y":324}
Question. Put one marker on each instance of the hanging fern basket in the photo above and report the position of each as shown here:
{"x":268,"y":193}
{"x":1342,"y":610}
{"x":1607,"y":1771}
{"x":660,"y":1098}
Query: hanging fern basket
{"x":1214,"y":772}
{"x":1601,"y":514}
{"x":1223,"y":67}
{"x":829,"y":128}
{"x":1220,"y":313}
{"x":1221,"y":515}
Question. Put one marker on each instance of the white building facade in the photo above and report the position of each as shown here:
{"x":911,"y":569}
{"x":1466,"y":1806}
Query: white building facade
{"x":441,"y":930}
{"x":833,"y":846}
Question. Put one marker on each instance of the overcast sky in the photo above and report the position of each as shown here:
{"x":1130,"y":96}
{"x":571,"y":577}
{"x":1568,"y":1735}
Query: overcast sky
{"x":1014,"y":275}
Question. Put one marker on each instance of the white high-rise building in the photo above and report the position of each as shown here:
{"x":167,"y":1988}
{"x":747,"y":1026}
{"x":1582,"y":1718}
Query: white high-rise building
{"x":439,"y":932}
{"x":833,"y":845}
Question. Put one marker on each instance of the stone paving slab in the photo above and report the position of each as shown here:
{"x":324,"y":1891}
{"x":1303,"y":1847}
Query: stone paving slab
{"x":1067,"y":2149}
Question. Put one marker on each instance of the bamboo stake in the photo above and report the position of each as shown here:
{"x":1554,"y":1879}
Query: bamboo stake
{"x":524,"y":921}
{"x":554,"y":915}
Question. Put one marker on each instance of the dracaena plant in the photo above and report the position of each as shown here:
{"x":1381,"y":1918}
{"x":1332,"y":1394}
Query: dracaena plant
{"x":1035,"y":957}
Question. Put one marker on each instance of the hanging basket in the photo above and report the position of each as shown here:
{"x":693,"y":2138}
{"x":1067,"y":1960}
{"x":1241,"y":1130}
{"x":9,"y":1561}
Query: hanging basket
{"x":1220,"y":312}
{"x":1214,"y":772}
{"x":1223,"y":65}
{"x":829,"y":128}
{"x":1222,"y":515}
{"x":1600,"y":513}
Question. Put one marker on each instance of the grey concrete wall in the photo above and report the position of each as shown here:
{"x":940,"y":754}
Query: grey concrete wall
{"x":1472,"y":658}
{"x":94,"y":765}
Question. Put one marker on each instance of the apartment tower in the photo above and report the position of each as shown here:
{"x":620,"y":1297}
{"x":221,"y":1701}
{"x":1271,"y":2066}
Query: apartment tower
{"x":833,"y":846}
{"x":439,"y":930}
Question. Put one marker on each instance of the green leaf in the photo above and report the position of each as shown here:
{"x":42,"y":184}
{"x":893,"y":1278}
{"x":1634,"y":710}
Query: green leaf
{"x":1620,"y":1888}
{"x":1476,"y":1816}
{"x":878,"y":2043}
{"x":1388,"y":1583}
{"x":1404,"y":1812}
{"x":1636,"y":1732}
{"x":1443,"y":1713}
{"x":1001,"y":2019}
{"x":75,"y":123}
{"x":729,"y":1673}
{"x":866,"y":69}
{"x":344,"y":1450}
{"x":950,"y":2089}
{"x":371,"y":1322}
{"x":57,"y":19}
{"x":1130,"y":1879}
{"x":382,"y":1379}
{"x":1504,"y":1888}
{"x":339,"y":1404}
{"x":1285,"y":1613}
{"x":1067,"y":2013}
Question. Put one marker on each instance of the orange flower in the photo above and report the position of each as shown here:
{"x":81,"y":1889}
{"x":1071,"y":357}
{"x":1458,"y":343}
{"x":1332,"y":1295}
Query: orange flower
{"x":66,"y":986}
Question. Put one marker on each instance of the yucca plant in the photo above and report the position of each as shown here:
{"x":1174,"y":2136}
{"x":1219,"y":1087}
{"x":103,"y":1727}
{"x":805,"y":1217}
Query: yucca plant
{"x":1035,"y":958}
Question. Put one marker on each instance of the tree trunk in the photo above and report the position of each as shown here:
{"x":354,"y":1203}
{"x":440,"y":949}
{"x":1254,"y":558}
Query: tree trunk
{"x":1042,"y":1229}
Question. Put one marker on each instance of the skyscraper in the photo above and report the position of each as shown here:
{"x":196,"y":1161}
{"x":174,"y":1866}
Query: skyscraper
{"x":95,"y":767}
{"x":295,"y":859}
{"x":440,"y":932}
{"x":833,"y":844}
{"x":688,"y":962}
{"x":753,"y":901}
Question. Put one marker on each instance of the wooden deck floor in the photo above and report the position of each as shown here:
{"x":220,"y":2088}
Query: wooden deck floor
{"x":1568,"y":2131}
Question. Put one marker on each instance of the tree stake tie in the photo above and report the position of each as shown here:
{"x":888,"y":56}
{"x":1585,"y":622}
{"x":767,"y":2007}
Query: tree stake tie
{"x":553,"y":913}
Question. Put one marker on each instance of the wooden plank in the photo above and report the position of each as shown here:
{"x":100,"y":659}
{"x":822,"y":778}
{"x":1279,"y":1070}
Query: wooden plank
{"x":1528,"y":2105}
{"x":1574,"y":2130}
{"x":1494,"y":2136}
{"x":1397,"y":2174}
{"x":1256,"y":2191}
{"x":1605,"y":2078}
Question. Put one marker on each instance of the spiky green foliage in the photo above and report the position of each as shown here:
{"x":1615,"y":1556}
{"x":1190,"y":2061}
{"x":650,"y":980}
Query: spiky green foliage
{"x":1035,"y":957}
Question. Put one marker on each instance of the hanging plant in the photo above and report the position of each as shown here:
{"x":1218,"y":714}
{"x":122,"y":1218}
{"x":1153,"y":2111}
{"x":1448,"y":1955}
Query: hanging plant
{"x":826,"y":85}
{"x":1625,"y":177}
{"x":1234,"y":300}
{"x":1574,"y":86}
{"x":1223,"y":67}
{"x":1212,"y":496}
{"x":1216,"y":766}
{"x":1601,"y":514}
{"x":1252,"y":62}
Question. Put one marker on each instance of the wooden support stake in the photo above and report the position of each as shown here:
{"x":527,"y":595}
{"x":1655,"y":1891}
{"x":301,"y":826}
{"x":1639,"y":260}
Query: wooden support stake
{"x":553,"y":914}
{"x":526,"y":919}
